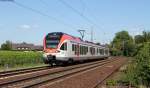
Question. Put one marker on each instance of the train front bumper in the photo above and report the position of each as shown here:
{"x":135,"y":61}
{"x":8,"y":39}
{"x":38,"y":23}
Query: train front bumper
{"x":47,"y":58}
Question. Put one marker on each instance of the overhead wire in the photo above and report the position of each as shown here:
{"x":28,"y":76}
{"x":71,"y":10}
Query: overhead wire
{"x":80,"y":14}
{"x":42,"y":14}
{"x":44,"y":3}
{"x":53,"y":18}
{"x":83,"y":6}
{"x":88,"y":10}
{"x":92,"y":15}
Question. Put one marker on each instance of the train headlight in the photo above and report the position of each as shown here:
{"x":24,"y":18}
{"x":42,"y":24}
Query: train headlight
{"x":44,"y":55}
{"x":57,"y":51}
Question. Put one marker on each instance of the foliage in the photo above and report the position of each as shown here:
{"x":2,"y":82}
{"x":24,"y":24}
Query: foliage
{"x":138,"y":72}
{"x":145,"y":37}
{"x":138,"y":39}
{"x":111,"y":82}
{"x":6,"y":45}
{"x":130,"y":75}
{"x":115,"y":52}
{"x":122,"y":44}
{"x":18,"y":58}
{"x":143,"y":65}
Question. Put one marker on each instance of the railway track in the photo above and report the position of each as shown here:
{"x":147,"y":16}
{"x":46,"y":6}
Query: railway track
{"x":98,"y":85}
{"x":89,"y":78}
{"x":34,"y":80}
{"x":22,"y":71}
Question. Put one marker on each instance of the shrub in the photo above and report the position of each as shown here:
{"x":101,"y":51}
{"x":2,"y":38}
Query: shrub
{"x":138,"y":72}
{"x":111,"y":82}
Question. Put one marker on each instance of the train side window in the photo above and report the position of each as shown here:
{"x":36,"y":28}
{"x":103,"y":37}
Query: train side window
{"x":93,"y":50}
{"x":87,"y":49}
{"x":84,"y":50}
{"x":73,"y":47}
{"x":97,"y":50}
{"x":106,"y":52}
{"x":102,"y":51}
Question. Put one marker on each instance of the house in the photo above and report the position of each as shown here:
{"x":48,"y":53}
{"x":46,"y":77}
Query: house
{"x":26,"y":47}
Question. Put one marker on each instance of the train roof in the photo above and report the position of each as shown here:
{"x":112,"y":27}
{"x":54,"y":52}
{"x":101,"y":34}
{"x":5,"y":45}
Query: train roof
{"x":89,"y":44}
{"x":81,"y":41}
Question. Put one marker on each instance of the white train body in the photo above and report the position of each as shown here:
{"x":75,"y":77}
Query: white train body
{"x":69,"y":49}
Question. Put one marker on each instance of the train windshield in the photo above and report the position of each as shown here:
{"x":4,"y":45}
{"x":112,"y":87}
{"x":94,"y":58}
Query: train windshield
{"x":53,"y":39}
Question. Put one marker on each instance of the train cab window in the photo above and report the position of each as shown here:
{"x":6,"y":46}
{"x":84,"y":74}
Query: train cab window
{"x":64,"y":46}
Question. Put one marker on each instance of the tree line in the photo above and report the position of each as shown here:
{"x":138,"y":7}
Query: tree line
{"x":138,"y":47}
{"x":124,"y":44}
{"x":7,"y":45}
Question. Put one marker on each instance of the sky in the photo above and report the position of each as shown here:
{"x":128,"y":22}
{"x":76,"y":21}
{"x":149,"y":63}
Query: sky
{"x":30,"y":20}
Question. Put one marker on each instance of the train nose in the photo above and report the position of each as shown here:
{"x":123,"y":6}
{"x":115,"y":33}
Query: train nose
{"x":49,"y":58}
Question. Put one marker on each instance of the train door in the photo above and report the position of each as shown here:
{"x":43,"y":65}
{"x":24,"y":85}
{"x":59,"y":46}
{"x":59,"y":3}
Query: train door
{"x":77,"y":53}
{"x":64,"y":49}
{"x":78,"y":50}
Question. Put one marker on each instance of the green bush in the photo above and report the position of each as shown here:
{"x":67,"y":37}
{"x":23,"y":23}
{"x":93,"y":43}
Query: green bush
{"x":138,"y":72}
{"x":111,"y":82}
{"x":143,"y":65}
{"x":19,"y":58}
{"x":129,"y":78}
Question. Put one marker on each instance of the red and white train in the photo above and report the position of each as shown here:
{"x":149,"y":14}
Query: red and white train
{"x":60,"y":48}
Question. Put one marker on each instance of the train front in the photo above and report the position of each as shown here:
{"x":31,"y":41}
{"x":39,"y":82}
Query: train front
{"x":51,"y":43}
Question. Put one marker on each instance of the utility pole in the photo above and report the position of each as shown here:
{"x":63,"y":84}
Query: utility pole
{"x":82,"y":33}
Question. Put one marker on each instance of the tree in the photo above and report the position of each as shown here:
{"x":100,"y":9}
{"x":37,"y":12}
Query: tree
{"x":6,"y":46}
{"x":145,"y":37}
{"x":143,"y":65}
{"x":138,"y":39}
{"x":122,"y":44}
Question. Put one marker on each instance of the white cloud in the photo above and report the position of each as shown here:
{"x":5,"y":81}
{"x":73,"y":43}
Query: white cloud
{"x":25,"y":26}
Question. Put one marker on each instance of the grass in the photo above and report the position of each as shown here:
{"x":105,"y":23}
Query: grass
{"x":19,"y":59}
{"x":21,"y":67}
{"x":117,"y":78}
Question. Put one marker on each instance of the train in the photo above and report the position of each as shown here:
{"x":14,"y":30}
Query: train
{"x":60,"y":48}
